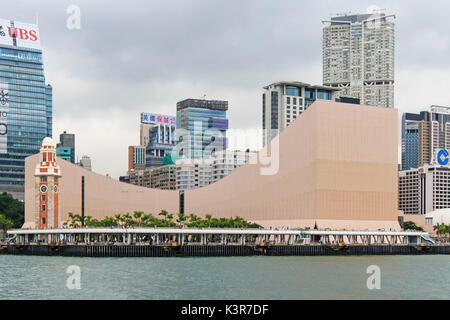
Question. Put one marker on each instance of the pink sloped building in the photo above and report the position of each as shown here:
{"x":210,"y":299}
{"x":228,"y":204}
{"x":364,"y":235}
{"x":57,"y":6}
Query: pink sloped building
{"x":336,"y":168}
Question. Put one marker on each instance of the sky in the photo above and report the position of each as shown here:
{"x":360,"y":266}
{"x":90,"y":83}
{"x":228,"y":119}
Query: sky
{"x":138,"y":56}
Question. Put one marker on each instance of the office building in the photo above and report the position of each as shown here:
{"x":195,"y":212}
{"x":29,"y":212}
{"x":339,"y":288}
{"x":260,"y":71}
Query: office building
{"x":336,"y":169}
{"x":25,"y":102}
{"x":67,"y":140}
{"x":85,"y":163}
{"x":201,"y":128}
{"x":161,"y":137}
{"x":358,"y":57}
{"x":424,"y":189}
{"x":423,"y":135}
{"x":136,"y":158}
{"x":283,"y":102}
{"x":64,"y":153}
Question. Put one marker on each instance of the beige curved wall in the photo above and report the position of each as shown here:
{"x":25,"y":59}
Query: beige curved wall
{"x":338,"y":169}
{"x":104,"y":196}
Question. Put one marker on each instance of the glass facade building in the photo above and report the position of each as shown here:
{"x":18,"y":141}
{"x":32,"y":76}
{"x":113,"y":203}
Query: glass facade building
{"x":64,"y":153}
{"x":67,"y":140}
{"x":201,"y":127}
{"x":26,"y":102}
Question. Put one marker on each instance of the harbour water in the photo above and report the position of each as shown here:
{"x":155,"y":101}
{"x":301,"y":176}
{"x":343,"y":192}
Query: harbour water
{"x":402,"y":277}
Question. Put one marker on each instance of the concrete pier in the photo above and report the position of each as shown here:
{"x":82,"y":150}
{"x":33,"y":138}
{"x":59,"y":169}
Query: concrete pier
{"x":173,"y":242}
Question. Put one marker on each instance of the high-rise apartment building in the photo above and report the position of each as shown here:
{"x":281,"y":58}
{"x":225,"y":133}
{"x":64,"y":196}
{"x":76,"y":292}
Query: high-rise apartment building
{"x":225,"y":162}
{"x":163,"y":178}
{"x":67,"y":140}
{"x":196,"y":173}
{"x":423,"y":135}
{"x":283,"y":102}
{"x":358,"y":57}
{"x":201,"y":127}
{"x":25,"y":102}
{"x":193,"y":173}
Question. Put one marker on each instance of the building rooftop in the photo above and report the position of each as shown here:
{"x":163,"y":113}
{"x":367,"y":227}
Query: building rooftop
{"x":301,"y":84}
{"x":353,"y":18}
{"x":203,"y":103}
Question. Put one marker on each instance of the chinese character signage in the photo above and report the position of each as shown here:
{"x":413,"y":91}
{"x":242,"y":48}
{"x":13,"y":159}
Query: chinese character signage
{"x":153,"y":118}
{"x":4,"y":109}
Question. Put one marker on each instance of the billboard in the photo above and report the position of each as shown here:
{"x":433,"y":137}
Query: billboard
{"x":4,"y":109}
{"x":154,"y":118}
{"x":25,"y":34}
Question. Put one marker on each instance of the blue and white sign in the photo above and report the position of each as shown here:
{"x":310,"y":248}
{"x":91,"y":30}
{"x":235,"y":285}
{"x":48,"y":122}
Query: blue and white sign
{"x":442,"y":157}
{"x":153,"y":118}
{"x":4,"y":109}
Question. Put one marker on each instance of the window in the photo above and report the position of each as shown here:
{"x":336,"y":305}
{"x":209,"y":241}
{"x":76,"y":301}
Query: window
{"x":43,"y":220}
{"x":288,"y":100}
{"x":43,"y":207}
{"x":43,"y":198}
{"x":293,"y":91}
{"x":294,"y":100}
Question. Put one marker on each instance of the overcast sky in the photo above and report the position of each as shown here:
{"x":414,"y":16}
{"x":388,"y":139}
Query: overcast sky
{"x":144,"y":56}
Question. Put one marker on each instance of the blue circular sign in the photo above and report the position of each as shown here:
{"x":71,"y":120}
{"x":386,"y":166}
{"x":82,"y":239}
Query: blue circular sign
{"x":442,"y":157}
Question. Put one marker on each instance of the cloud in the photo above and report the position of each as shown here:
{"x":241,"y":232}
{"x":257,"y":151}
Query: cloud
{"x":137,"y":56}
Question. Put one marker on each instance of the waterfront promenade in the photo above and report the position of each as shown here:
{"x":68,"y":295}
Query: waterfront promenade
{"x":168,"y":242}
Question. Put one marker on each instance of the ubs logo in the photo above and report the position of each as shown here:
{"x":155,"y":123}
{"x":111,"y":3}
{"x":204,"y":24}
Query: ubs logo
{"x":442,"y":157}
{"x":2,"y":33}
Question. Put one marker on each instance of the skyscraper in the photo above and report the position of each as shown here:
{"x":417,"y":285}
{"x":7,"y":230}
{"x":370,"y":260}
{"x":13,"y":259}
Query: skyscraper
{"x":25,"y":102}
{"x":423,"y":135}
{"x":201,"y":127}
{"x":67,"y":140}
{"x":283,"y":102}
{"x":358,"y":57}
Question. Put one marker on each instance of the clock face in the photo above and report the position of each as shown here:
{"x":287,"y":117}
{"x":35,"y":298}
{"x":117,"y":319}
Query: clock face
{"x":55,"y":188}
{"x":43,"y":189}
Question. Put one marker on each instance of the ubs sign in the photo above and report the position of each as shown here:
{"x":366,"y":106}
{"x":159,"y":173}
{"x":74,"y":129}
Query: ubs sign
{"x":442,"y":157}
{"x":20,"y":34}
{"x":4,"y":109}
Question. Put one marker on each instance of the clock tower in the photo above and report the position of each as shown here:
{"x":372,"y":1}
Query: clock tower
{"x":47,"y":177}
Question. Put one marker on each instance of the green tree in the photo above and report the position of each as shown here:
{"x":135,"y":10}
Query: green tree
{"x":410,"y":225}
{"x":5,"y":223}
{"x":12,"y":209}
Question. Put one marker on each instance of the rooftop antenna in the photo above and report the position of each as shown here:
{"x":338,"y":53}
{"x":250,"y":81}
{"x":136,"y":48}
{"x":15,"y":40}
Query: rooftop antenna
{"x":37,"y":18}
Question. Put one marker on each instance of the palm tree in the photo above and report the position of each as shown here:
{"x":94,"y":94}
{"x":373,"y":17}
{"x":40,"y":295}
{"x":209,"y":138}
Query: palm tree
{"x":138,"y":216}
{"x":163,"y":213}
{"x":181,"y":218}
